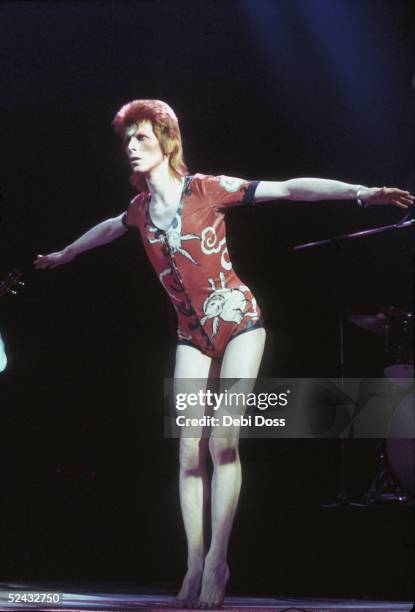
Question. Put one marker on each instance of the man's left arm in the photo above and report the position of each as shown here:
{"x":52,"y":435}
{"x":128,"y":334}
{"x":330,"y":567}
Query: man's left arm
{"x":318,"y":189}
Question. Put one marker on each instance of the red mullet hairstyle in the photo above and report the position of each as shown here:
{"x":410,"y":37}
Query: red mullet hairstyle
{"x":166,"y":128}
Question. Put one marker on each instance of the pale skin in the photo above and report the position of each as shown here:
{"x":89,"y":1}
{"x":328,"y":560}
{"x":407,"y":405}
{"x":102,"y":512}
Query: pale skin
{"x":207,"y":570}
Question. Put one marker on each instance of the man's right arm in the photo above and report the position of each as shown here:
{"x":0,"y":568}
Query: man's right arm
{"x":104,"y":232}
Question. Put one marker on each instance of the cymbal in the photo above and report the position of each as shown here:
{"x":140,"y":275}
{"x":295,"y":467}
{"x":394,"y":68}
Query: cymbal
{"x":377,"y":318}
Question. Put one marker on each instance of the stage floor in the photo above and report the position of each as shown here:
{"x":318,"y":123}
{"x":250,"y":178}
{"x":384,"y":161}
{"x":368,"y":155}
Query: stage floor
{"x":110,"y":598}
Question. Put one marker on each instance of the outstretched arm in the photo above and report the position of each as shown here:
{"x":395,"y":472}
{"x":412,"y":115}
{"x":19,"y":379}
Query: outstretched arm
{"x":317,"y":189}
{"x":100,"y":234}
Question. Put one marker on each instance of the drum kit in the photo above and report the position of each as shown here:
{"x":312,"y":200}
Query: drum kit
{"x":396,"y":328}
{"x":394,"y":479}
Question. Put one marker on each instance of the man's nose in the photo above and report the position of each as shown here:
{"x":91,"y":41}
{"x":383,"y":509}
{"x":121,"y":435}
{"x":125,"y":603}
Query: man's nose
{"x":132,"y":145}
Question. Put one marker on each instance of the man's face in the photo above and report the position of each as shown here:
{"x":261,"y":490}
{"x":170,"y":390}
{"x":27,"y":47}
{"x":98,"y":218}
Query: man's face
{"x":142,"y":147}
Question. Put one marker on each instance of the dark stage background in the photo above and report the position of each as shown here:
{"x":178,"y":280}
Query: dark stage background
{"x":264,"y":90}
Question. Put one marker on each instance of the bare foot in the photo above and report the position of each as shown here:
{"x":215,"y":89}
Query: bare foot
{"x":214,"y":579}
{"x":190,"y":587}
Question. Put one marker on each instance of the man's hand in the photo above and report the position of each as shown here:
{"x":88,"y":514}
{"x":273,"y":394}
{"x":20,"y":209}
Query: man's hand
{"x":100,"y":234}
{"x":54,"y":259}
{"x":386,"y":195}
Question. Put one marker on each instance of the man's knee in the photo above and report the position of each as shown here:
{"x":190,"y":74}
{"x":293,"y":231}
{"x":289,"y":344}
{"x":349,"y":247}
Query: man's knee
{"x":192,"y":455}
{"x":223,"y":450}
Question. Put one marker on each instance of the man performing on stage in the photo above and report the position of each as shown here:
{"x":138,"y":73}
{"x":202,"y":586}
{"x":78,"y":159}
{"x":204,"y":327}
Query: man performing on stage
{"x":220,"y":329}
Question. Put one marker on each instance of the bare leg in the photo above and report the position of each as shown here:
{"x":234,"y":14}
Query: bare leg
{"x":241,"y":360}
{"x":194,"y":497}
{"x":193,"y":478}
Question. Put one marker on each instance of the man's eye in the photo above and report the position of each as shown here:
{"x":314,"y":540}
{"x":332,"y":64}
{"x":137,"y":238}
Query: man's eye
{"x":140,"y":137}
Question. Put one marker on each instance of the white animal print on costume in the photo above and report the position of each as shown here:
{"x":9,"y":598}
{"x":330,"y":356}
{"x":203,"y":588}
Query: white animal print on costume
{"x":230,"y":184}
{"x":226,"y":304}
{"x":254,"y":313}
{"x":210,"y":245}
{"x":173,"y":237}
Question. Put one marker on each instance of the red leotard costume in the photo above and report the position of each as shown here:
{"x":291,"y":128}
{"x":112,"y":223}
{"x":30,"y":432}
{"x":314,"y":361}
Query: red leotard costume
{"x":192,"y":262}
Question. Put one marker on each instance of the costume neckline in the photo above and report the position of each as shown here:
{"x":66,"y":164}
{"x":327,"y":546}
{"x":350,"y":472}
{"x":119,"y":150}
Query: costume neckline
{"x":186,"y":182}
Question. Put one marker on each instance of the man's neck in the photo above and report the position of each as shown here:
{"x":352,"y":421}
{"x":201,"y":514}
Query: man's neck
{"x":163,"y":187}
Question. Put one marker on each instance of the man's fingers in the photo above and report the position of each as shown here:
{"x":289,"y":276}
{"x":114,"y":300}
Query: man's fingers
{"x":404,"y":195}
{"x":391,"y":196}
{"x":41,"y":264}
{"x":399,"y":204}
{"x":40,"y":260}
{"x":397,"y":192}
